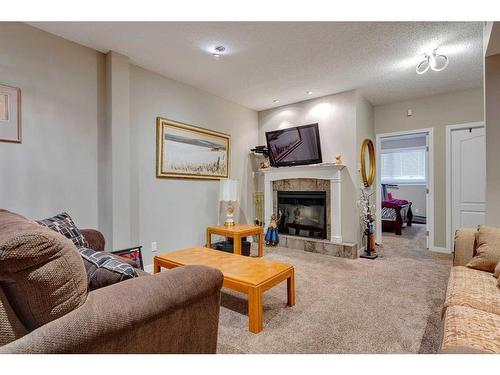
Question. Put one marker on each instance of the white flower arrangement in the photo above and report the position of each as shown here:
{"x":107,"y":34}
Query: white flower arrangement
{"x":366,"y":208}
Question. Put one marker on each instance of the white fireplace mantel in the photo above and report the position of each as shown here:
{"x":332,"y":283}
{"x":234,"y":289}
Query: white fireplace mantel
{"x":331,"y":172}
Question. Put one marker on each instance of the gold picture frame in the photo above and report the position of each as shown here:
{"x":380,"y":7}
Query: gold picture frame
{"x":191,"y":152}
{"x":370,"y":176}
{"x":10,"y":114}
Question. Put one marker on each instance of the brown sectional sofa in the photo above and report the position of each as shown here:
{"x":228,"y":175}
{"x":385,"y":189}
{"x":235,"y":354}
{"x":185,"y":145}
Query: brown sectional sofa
{"x":176,"y":311}
{"x":471,"y":312}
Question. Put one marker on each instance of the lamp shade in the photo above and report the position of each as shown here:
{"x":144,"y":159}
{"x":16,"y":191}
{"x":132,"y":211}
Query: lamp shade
{"x":228,"y":190}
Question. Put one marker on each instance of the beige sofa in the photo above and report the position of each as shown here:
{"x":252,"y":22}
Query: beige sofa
{"x":471,"y":312}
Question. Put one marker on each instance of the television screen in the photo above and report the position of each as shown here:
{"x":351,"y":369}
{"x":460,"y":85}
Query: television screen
{"x":294,"y":146}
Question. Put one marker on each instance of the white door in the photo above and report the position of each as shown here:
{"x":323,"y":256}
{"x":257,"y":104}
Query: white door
{"x":468,"y":178}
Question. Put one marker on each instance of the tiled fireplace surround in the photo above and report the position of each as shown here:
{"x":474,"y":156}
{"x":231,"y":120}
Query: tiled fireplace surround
{"x":310,"y":178}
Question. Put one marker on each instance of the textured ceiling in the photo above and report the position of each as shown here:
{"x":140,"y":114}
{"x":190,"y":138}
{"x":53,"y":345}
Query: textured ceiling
{"x":283,"y":60}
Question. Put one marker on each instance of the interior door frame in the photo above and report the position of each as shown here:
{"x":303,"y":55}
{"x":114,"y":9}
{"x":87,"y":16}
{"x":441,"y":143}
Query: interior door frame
{"x":449,"y":129}
{"x":430,"y":183}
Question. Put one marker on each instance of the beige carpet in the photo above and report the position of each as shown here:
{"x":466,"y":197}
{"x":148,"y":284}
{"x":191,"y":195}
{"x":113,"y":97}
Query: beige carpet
{"x":388,"y":305}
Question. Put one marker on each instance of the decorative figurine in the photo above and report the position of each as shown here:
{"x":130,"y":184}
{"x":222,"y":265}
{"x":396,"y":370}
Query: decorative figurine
{"x":272,"y":238}
{"x":338,"y":159}
{"x":264,"y":164}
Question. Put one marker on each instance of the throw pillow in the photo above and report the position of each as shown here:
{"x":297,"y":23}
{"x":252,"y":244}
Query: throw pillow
{"x":105,"y":269}
{"x":41,"y":272}
{"x":487,"y":250}
{"x":63,"y":224}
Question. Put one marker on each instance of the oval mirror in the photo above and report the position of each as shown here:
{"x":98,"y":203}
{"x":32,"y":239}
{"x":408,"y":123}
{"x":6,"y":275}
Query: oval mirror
{"x":367,"y":162}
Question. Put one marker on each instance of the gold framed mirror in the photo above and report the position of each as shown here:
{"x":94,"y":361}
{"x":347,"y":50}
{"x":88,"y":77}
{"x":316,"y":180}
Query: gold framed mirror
{"x":367,"y":161}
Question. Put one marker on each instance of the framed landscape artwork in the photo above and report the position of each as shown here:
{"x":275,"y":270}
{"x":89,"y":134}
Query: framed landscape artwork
{"x":10,"y":114}
{"x":186,"y":151}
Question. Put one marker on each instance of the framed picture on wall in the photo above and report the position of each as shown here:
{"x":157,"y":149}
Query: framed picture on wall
{"x":187,"y":151}
{"x":10,"y":114}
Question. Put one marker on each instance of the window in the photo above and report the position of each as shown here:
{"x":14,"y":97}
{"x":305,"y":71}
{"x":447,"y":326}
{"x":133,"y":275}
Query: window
{"x":403,"y":166}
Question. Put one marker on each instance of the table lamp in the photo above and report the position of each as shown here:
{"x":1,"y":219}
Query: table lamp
{"x":229,"y":193}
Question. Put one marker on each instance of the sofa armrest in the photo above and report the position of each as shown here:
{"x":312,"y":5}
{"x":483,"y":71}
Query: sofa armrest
{"x":465,"y":239}
{"x":176,"y":311}
{"x":94,"y":238}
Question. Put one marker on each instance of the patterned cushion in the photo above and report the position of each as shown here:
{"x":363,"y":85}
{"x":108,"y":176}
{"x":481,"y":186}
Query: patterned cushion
{"x":105,"y":269}
{"x":472,"y":288}
{"x":63,"y":224}
{"x":470,"y":330}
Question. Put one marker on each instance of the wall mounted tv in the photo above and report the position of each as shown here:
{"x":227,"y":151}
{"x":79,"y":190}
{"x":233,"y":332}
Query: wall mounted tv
{"x":294,"y":146}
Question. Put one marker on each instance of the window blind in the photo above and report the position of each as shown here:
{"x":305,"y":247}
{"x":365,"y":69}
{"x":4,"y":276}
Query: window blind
{"x":400,"y":166}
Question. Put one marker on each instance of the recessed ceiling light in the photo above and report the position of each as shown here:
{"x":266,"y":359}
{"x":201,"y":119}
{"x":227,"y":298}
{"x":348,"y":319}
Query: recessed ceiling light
{"x":219,"y":50}
{"x":276,"y":101}
{"x":309,"y":92}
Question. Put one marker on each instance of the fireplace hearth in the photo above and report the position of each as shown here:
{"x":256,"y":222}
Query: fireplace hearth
{"x":303,"y":213}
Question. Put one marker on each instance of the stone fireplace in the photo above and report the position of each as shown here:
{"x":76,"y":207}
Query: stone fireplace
{"x":303,"y":213}
{"x":309,"y":198}
{"x":304,"y":206}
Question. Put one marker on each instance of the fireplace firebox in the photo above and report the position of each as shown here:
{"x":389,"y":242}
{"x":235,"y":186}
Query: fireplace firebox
{"x":303,"y":213}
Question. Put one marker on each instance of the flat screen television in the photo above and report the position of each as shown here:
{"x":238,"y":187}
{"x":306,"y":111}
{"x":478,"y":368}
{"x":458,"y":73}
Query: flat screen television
{"x":294,"y":146}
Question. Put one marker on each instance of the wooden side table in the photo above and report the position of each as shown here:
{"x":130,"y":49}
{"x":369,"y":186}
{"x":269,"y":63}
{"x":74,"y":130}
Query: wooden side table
{"x":237,"y":232}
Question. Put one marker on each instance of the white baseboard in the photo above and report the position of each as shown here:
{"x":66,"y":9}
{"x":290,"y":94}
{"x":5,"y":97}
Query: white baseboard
{"x":437,"y":249}
{"x":148,"y":268}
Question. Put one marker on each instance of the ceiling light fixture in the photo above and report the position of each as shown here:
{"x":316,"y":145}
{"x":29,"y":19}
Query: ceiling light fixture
{"x":309,"y":92}
{"x":433,"y":61}
{"x":219,"y":50}
{"x":276,"y":101}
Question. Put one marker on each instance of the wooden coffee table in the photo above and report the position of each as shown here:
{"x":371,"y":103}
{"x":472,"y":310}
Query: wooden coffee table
{"x":252,"y":276}
{"x":237,"y":231}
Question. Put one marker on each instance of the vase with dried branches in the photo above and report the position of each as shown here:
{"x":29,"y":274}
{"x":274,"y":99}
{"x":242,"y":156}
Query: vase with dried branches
{"x":367,"y":218}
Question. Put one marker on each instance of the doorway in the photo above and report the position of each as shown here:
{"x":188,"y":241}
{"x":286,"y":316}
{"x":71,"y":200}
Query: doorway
{"x":404,"y":198}
{"x":465,"y":177}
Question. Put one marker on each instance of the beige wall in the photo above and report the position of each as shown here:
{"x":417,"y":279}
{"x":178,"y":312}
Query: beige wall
{"x":365,"y":129}
{"x":65,"y":139}
{"x":492,"y":99}
{"x":176,"y":212}
{"x":114,"y":173}
{"x":79,"y":155}
{"x":433,"y":112}
{"x":416,"y":194}
{"x":55,"y":167}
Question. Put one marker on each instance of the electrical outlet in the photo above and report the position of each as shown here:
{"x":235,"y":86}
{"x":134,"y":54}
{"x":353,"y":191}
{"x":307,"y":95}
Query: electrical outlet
{"x":154,"y":247}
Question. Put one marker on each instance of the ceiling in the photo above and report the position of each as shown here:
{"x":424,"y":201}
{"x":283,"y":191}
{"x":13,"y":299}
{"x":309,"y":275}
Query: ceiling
{"x":282,"y":60}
